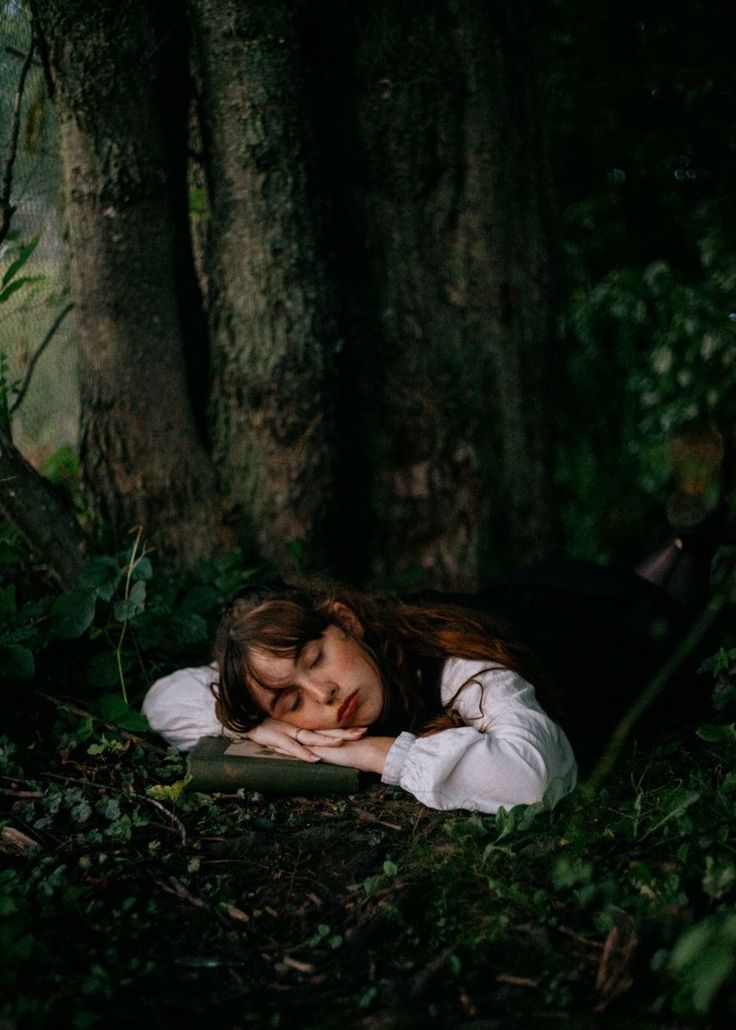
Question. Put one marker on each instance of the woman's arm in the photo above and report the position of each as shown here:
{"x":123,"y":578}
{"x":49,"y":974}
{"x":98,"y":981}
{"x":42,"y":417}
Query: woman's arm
{"x":508,"y":753}
{"x":181,"y":706}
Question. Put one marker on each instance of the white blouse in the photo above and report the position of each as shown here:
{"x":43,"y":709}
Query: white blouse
{"x":509,"y":752}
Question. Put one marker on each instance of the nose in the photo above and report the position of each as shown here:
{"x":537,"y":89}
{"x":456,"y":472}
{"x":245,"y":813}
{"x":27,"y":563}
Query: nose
{"x":324,"y":693}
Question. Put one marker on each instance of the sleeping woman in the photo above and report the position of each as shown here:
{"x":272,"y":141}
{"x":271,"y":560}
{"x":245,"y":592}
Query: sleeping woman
{"x":436,"y":693}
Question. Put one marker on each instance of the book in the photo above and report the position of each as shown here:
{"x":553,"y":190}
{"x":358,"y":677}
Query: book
{"x":217,"y":763}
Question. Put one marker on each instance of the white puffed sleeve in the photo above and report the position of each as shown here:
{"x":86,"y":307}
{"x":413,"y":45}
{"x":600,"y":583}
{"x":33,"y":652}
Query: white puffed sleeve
{"x":508,"y":753}
{"x":181,"y":706}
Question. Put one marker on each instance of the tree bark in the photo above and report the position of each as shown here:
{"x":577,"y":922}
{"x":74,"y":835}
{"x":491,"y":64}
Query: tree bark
{"x":272,"y":311}
{"x":45,"y":522}
{"x":446,"y":208}
{"x":143,"y":461}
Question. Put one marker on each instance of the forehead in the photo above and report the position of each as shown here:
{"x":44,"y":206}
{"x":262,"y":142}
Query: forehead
{"x":271,"y":670}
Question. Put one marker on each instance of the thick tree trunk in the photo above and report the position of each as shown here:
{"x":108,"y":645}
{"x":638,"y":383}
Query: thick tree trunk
{"x":42,"y":518}
{"x":142,"y":459}
{"x":447,"y":212}
{"x":272,"y":324}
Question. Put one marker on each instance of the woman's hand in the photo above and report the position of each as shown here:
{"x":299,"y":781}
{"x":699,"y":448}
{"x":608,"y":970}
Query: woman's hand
{"x":368,"y":755}
{"x":289,"y":740}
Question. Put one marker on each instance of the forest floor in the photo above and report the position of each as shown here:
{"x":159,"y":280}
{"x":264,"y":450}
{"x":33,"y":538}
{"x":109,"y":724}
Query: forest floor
{"x":126,"y":900}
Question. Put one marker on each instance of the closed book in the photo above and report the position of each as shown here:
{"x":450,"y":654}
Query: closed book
{"x":217,"y":763}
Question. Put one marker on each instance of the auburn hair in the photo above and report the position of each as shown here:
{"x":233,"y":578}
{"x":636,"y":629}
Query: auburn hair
{"x":407,"y":641}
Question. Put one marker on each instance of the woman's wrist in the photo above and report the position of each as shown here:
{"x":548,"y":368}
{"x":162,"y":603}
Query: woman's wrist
{"x":378,"y":749}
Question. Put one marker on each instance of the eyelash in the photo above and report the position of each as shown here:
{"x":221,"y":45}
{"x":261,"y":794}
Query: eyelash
{"x":297,"y":702}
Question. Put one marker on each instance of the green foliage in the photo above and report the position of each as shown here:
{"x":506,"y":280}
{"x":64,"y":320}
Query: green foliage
{"x":703,"y":959}
{"x":163,"y":885}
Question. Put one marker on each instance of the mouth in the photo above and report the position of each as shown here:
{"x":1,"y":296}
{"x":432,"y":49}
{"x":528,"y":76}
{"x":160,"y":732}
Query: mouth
{"x":347,"y":708}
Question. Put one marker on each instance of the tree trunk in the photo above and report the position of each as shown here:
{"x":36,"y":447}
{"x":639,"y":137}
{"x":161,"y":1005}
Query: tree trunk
{"x":272,"y":322}
{"x":143,"y":461}
{"x":446,"y":209}
{"x":42,"y":518}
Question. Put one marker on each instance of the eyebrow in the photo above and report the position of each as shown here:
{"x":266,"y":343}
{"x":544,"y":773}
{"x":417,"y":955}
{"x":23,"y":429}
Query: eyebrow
{"x":278,"y":692}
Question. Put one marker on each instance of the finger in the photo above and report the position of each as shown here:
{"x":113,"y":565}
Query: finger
{"x":297,"y":751}
{"x":338,"y":734}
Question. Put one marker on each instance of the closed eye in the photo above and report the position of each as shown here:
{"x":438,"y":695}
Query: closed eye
{"x":295,"y":701}
{"x":317,"y":658}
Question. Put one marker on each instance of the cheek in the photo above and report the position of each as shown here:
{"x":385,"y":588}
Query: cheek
{"x":306,"y":718}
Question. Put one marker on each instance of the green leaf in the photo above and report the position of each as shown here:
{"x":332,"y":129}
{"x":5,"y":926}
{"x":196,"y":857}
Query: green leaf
{"x":7,"y":599}
{"x":172,"y":792}
{"x":101,"y":573}
{"x":113,"y":709}
{"x":190,"y":629}
{"x":200,"y":599}
{"x":704,"y":958}
{"x":25,"y":252}
{"x":143,"y":570}
{"x":73,"y":613}
{"x":16,"y":662}
{"x":713,"y":732}
{"x":8,"y":292}
{"x":133,"y":604}
{"x":102,"y":670}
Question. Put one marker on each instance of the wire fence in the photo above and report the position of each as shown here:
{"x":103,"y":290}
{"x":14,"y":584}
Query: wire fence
{"x":48,"y":417}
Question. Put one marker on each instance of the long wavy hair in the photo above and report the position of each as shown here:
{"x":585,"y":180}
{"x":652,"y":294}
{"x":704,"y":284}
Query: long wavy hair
{"x":407,"y":641}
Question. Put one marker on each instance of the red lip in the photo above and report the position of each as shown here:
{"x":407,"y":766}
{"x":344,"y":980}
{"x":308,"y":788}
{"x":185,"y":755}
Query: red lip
{"x":348,"y":706}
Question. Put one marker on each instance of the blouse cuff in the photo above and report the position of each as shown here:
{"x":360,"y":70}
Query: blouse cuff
{"x":396,"y":757}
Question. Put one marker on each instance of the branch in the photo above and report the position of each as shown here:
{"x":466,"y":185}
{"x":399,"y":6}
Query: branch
{"x":39,"y":351}
{"x":6,"y":208}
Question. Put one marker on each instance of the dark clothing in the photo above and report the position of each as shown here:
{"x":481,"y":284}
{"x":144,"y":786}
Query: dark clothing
{"x":591,"y":638}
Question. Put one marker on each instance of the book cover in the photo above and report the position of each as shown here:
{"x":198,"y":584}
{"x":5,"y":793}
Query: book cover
{"x":217,"y":763}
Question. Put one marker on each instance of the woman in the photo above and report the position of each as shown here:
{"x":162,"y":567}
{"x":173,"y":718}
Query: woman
{"x":432,"y":695}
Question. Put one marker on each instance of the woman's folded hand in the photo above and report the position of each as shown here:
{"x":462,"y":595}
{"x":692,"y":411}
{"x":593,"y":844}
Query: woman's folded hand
{"x":282,"y":738}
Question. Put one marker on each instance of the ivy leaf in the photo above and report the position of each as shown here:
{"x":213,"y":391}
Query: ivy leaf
{"x":133,"y":604}
{"x":73,"y":613}
{"x":101,"y":573}
{"x":16,"y":662}
{"x":143,"y":570}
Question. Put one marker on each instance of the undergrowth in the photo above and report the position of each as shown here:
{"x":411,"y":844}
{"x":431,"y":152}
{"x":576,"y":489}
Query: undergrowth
{"x":125,"y":897}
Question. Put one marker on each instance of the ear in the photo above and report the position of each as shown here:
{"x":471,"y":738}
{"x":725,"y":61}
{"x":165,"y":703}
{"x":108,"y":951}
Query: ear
{"x":347,"y":620}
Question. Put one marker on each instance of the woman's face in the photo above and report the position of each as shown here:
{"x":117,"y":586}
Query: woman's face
{"x":332,"y":683}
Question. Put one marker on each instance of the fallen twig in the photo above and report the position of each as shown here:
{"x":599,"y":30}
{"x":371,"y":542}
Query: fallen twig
{"x":516,"y":981}
{"x":369,"y":817}
{"x":170,"y":815}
